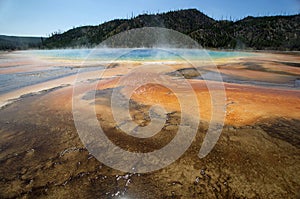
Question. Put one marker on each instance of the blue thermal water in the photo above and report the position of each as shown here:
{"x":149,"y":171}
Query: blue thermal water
{"x":106,"y":54}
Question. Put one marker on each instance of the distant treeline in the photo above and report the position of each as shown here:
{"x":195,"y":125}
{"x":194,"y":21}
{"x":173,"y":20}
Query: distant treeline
{"x":257,"y":33}
{"x":20,"y":43}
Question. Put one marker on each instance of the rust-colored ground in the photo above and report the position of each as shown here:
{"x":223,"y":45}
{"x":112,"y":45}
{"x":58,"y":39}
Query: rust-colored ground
{"x":257,"y":155}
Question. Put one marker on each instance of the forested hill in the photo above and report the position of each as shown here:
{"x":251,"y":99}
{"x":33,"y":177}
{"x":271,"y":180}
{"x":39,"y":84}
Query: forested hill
{"x":258,"y":33}
{"x":268,"y":33}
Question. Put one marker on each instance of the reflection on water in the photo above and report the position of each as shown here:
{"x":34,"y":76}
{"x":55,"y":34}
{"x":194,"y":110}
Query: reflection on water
{"x":24,"y":79}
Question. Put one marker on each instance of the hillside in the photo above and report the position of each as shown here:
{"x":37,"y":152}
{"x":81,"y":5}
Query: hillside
{"x":258,"y":33}
{"x":185,"y":21}
{"x":19,"y":43}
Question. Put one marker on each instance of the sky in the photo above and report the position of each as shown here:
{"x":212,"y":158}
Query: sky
{"x":42,"y":17}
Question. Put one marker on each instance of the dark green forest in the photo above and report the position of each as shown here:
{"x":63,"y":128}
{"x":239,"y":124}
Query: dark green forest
{"x":20,"y":43}
{"x":256,"y":33}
